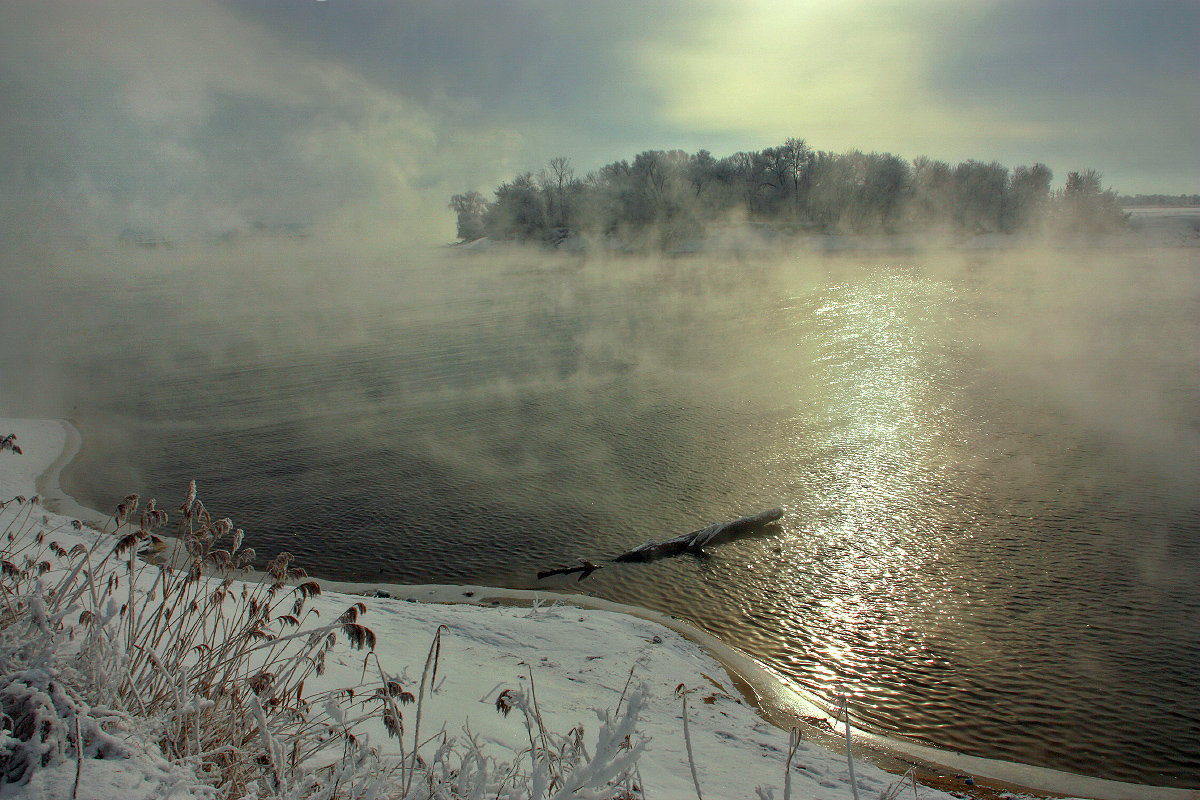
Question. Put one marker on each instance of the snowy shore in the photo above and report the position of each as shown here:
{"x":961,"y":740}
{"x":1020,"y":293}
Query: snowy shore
{"x":577,"y":653}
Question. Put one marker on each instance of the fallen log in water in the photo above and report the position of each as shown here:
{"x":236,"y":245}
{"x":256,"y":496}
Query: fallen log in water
{"x":716,"y":534}
{"x":696,"y":541}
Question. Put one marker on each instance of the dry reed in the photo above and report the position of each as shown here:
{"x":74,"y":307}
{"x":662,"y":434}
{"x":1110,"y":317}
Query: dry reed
{"x":210,"y":660}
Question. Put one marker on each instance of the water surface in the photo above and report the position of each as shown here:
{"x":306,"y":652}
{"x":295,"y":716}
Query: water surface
{"x":988,"y":459}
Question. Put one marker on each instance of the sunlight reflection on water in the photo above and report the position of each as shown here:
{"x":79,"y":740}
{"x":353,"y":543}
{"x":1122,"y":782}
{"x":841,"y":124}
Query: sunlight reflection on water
{"x":872,"y":496}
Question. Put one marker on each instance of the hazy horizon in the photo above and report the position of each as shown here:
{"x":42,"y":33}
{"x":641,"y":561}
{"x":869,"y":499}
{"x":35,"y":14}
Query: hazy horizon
{"x":199,"y":116}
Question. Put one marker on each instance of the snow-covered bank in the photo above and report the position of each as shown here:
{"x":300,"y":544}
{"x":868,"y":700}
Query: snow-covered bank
{"x":576,"y":659}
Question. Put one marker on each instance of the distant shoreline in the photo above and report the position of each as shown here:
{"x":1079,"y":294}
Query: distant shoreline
{"x":1150,"y":227}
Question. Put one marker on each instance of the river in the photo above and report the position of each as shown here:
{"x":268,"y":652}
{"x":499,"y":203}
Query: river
{"x":988,"y":458}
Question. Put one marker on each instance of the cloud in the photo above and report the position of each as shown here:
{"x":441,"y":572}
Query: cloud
{"x":185,"y":118}
{"x":842,"y":74}
{"x":562,"y":78}
{"x":515,"y":58}
{"x":1110,"y":84}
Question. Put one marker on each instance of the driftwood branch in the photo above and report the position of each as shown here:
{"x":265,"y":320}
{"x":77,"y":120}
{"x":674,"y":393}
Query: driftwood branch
{"x":584,"y":569}
{"x":716,"y":534}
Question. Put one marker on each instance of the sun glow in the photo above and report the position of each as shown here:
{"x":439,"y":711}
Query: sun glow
{"x":838,"y":73}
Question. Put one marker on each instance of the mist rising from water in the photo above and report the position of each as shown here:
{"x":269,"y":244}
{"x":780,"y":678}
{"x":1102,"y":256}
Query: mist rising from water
{"x":1090,"y":330}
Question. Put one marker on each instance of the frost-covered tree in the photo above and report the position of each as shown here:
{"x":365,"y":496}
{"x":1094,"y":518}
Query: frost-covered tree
{"x":519,"y":211}
{"x":1086,"y":207}
{"x":557,"y":181}
{"x":887,"y":187}
{"x":933,"y":193}
{"x":470,"y":208}
{"x":980,"y":195}
{"x":1028,"y":196}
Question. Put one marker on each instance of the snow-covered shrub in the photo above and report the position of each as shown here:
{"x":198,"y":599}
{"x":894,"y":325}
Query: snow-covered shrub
{"x":44,"y":720}
{"x":560,"y":766}
{"x":212,"y":667}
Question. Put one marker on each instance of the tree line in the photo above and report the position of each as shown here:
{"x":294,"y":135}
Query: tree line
{"x":668,"y":196}
{"x":1160,"y":200}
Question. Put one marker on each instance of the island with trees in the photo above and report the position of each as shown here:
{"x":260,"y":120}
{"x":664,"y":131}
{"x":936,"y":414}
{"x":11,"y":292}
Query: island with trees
{"x":663,"y":198}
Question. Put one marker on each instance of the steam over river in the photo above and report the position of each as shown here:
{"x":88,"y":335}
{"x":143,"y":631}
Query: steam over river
{"x":989,"y":460}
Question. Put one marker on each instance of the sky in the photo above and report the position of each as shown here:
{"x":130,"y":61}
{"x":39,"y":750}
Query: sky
{"x":186,"y":117}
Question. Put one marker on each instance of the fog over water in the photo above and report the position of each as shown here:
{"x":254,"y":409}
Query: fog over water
{"x":988,"y":458}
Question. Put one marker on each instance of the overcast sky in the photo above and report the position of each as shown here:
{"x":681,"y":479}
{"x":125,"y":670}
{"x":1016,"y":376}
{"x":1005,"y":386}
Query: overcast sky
{"x":198,"y":115}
